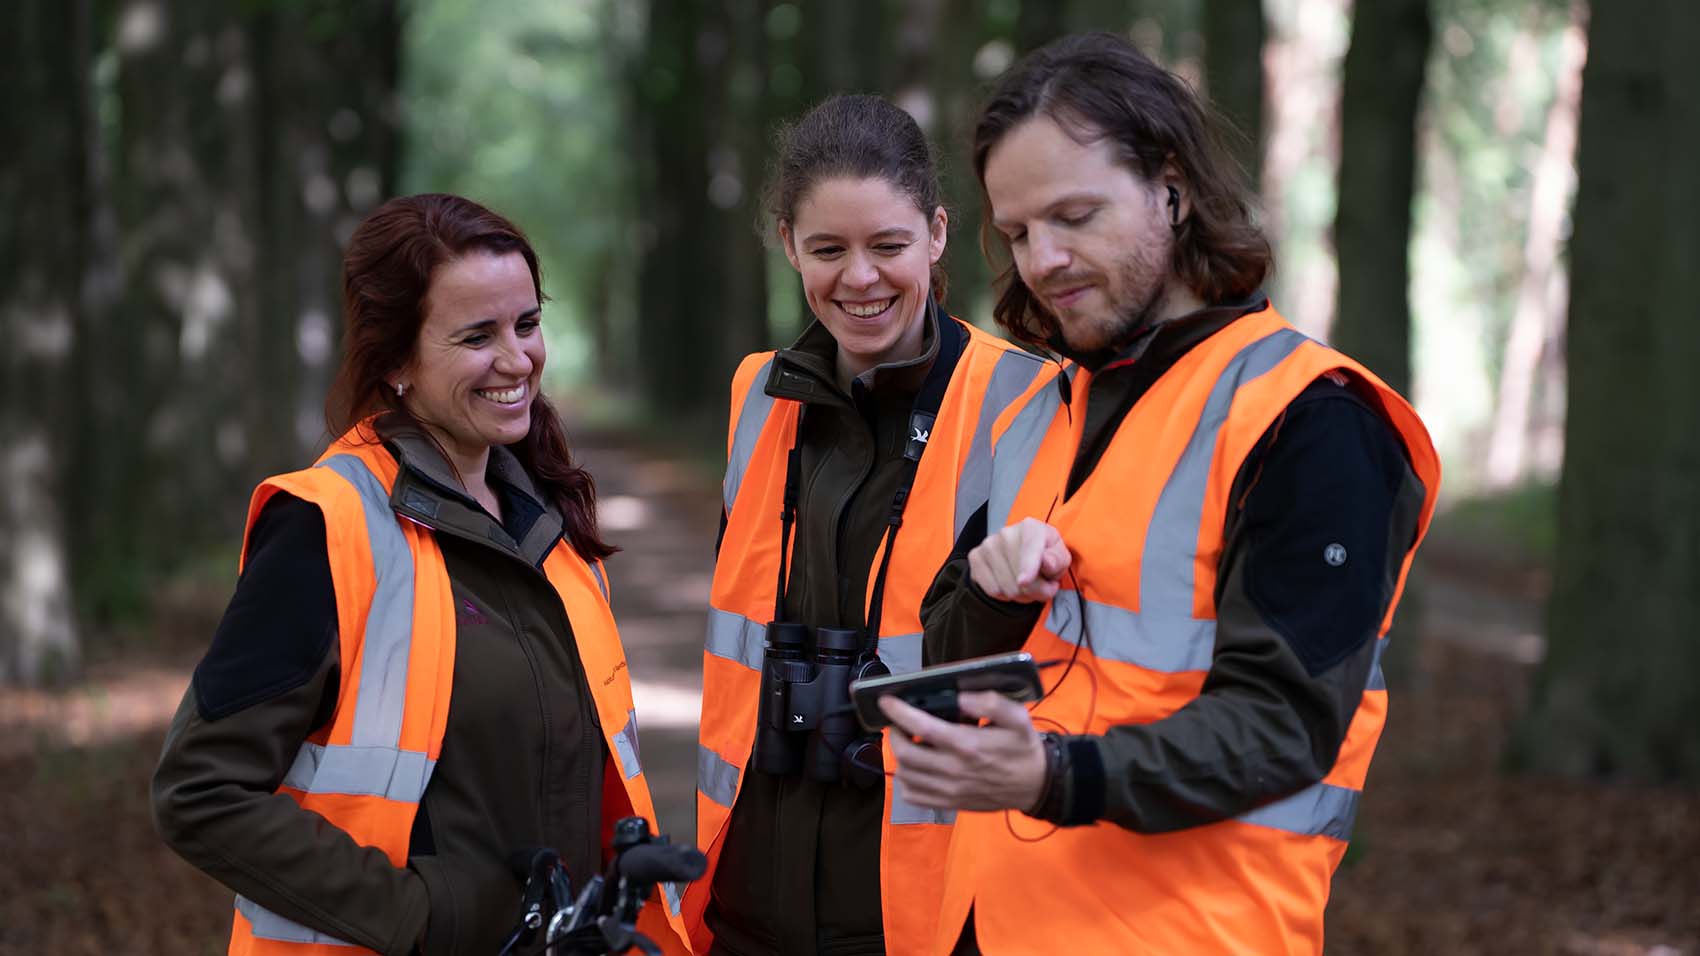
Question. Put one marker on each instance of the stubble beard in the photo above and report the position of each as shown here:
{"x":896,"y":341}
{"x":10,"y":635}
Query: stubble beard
{"x":1141,"y":281}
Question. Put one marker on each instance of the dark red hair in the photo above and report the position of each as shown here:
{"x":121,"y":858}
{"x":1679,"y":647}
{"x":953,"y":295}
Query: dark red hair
{"x":386,"y":275}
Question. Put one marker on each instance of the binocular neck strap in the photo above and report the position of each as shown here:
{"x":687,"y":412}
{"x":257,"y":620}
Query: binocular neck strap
{"x":788,"y":514}
{"x":922,"y":414}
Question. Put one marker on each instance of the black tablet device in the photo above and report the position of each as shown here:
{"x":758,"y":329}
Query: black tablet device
{"x":934,"y":689}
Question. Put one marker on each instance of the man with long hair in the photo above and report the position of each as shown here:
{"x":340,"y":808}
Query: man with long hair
{"x":1211,"y":543}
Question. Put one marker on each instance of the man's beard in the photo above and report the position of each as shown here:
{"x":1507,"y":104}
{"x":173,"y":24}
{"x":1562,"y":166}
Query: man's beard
{"x":1127,"y":318}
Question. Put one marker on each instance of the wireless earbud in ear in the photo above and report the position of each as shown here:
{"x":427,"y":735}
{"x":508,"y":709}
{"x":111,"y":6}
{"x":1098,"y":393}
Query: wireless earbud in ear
{"x":1174,"y":206}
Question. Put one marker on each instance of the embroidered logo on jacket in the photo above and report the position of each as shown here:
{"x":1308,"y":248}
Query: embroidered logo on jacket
{"x":467,"y":612}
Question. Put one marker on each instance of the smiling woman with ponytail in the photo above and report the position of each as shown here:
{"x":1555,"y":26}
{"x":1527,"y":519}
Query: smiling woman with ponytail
{"x":877,"y":414}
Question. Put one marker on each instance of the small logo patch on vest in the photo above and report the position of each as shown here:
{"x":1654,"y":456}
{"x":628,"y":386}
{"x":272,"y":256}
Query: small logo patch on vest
{"x":1334,"y":554}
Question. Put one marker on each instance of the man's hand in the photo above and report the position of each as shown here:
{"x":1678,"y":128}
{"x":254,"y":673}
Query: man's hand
{"x":997,"y":766}
{"x":1023,"y":562}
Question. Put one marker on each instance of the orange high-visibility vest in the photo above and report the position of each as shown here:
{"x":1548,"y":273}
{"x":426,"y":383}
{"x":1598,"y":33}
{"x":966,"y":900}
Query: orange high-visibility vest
{"x":1146,"y":533}
{"x":367,"y":770}
{"x":951,"y":484}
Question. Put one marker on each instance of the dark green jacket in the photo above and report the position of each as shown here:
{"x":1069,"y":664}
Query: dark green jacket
{"x":799,"y":870}
{"x":522,"y":759}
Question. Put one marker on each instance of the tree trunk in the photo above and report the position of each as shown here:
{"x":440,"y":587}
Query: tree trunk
{"x":1378,"y":148}
{"x":682,"y":285}
{"x":1038,"y":23}
{"x":1615,"y":696}
{"x":43,"y":187}
{"x":830,"y":65}
{"x":957,"y":90}
{"x":1381,"y":88}
{"x":251,"y":137}
{"x":738,"y":159}
{"x":322,"y":155}
{"x":1234,"y":32}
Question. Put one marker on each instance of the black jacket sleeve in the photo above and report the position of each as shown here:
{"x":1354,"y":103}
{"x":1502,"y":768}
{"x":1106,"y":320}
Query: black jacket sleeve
{"x":268,"y":680}
{"x":959,"y":620}
{"x":1320,"y":519}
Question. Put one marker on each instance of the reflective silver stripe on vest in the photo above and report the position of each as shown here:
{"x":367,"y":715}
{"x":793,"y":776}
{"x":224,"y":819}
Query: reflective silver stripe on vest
{"x":736,"y":638}
{"x":269,"y":925}
{"x":389,"y":624}
{"x":1377,"y":679}
{"x":1011,"y":375}
{"x":1013,"y":456}
{"x":717,"y":779}
{"x":1163,"y":635}
{"x":1320,"y":809}
{"x":360,"y":771}
{"x":626,"y":743}
{"x":901,"y":652}
{"x":601,"y":582}
{"x":903,"y":812}
{"x":372,"y":763}
{"x":757,"y":406}
{"x":1157,"y":643}
{"x":1166,"y":573}
{"x":672,"y":893}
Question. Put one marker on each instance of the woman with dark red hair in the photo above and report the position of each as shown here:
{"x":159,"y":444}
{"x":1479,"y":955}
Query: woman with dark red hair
{"x":419,"y":674}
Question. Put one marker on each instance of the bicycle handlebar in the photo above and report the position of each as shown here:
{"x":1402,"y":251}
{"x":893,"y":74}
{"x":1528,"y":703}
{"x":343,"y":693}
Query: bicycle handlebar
{"x":603,"y":917}
{"x":660,"y":862}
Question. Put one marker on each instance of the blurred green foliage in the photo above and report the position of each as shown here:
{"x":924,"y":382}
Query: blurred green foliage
{"x":517,"y":105}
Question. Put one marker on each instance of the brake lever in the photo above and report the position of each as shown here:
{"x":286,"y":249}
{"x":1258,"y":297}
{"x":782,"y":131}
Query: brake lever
{"x":621,"y":937}
{"x":573,"y":917}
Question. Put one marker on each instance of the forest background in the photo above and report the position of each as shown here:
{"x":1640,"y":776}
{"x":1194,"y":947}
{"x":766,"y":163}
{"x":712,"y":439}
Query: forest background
{"x":1493,"y":203}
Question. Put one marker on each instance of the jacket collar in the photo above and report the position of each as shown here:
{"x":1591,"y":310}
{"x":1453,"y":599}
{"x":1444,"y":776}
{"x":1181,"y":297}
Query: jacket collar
{"x":426,"y":490}
{"x":808,"y":370}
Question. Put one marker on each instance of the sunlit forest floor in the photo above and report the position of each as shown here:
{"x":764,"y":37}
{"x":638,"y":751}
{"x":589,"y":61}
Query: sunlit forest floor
{"x":1450,"y":856}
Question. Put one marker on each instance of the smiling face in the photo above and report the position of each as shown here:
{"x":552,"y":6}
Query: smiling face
{"x":478,"y":359}
{"x":865,"y":254}
{"x":1091,"y":239}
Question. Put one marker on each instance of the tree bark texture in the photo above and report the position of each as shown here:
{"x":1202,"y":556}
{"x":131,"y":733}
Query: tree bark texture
{"x":45,"y":122}
{"x":1234,"y":33}
{"x":1372,"y":231}
{"x":175,"y":322}
{"x":681,"y":290}
{"x":1615,"y":694}
{"x":238,"y":171}
{"x":1380,"y":91}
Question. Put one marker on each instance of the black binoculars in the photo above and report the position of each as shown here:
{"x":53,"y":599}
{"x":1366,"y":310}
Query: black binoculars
{"x":804,"y":721}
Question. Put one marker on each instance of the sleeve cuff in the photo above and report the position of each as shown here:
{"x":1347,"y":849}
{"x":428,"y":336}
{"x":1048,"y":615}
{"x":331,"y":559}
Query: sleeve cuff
{"x":1086,"y":783}
{"x":1074,"y":793}
{"x":1028,"y":610}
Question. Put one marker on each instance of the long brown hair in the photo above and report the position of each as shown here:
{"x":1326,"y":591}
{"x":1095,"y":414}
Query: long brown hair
{"x":386,"y":276}
{"x":1097,"y":85}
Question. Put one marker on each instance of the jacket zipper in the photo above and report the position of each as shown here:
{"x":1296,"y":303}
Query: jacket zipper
{"x":590,"y":719}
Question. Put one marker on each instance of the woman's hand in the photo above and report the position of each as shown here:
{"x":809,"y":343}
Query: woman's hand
{"x":1024,"y":562}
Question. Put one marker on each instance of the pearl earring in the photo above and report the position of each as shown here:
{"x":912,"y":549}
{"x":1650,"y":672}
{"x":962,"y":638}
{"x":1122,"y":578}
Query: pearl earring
{"x":399,"y":389}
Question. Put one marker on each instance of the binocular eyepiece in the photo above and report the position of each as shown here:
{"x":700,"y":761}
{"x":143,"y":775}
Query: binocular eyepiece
{"x":804,"y":722}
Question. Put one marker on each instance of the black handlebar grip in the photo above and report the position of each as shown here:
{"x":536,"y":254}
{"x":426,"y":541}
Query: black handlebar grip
{"x":658,"y":862}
